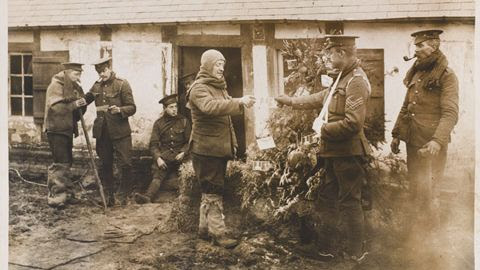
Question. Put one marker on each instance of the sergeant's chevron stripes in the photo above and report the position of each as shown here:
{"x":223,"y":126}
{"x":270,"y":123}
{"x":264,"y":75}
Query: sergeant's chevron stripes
{"x":352,"y":104}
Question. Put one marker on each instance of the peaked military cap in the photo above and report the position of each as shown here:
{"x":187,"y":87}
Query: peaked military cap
{"x":339,"y":41}
{"x":423,"y":35}
{"x":102,"y":61}
{"x":188,"y":76}
{"x":73,"y":66}
{"x":167,"y":100}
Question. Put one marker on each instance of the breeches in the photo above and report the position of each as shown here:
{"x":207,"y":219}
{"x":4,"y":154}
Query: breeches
{"x":61,"y":148}
{"x":210,"y":172}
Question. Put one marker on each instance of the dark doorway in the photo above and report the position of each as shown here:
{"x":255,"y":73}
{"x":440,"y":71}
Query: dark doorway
{"x":189,"y":64}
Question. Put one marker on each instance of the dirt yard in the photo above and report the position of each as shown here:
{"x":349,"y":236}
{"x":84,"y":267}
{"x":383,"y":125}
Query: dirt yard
{"x":141,"y":237}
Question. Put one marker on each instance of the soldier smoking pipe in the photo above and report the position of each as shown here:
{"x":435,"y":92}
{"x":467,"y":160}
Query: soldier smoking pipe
{"x":406,"y":58}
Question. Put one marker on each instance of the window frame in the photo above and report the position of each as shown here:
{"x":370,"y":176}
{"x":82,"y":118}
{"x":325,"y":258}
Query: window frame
{"x":22,"y":75}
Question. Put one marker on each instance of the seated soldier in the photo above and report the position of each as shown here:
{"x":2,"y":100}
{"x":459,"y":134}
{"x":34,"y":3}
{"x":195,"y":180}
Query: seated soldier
{"x":168,"y":145}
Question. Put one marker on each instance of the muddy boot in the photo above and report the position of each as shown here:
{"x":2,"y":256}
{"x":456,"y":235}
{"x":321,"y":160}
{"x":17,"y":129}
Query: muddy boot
{"x":215,"y":221}
{"x":125,"y":187}
{"x":150,"y":194}
{"x":110,"y":198}
{"x":60,"y":187}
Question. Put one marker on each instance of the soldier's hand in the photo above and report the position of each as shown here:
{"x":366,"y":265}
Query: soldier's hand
{"x":284,"y":100}
{"x":114,"y":109}
{"x":432,"y":147}
{"x":161,"y":164}
{"x":80,"y":103}
{"x":248,"y":101}
{"x":180,"y":156}
{"x":394,"y":146}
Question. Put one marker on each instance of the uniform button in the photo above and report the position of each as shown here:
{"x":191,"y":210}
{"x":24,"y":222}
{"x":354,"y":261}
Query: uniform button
{"x":413,"y":114}
{"x":419,"y":80}
{"x":416,"y":91}
{"x":414,"y":103}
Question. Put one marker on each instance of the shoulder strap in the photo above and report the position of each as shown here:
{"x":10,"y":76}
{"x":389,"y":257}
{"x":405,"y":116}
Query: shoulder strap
{"x":361,"y":74}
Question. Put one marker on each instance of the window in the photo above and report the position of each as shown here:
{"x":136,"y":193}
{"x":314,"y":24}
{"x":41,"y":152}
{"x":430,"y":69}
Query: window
{"x":21,"y":84}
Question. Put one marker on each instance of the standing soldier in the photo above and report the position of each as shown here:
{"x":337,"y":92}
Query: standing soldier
{"x":213,"y":141}
{"x":114,"y":102}
{"x":185,"y":82}
{"x":425,"y":121}
{"x":168,"y":145}
{"x":343,"y":144}
{"x":63,"y":100}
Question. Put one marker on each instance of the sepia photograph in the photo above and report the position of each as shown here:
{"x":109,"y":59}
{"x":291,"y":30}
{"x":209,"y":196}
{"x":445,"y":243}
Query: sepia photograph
{"x":239,"y":134}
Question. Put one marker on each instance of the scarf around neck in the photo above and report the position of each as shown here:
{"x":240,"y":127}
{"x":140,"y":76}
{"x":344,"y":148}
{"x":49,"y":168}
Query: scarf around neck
{"x":204,"y":77}
{"x":435,"y":65}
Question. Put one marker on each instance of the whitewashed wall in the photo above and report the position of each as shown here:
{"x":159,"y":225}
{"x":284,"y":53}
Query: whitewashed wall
{"x":140,"y":57}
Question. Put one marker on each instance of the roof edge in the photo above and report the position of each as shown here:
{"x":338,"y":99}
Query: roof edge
{"x":464,"y":19}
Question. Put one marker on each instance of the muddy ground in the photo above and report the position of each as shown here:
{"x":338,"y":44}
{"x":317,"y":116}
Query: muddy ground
{"x":143,"y":237}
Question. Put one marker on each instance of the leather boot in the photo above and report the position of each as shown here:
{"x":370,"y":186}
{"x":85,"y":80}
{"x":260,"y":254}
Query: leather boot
{"x":151,"y":192}
{"x":216,"y":222}
{"x":125,"y":187}
{"x":106,"y":175}
{"x":352,"y":217}
{"x":110,"y":198}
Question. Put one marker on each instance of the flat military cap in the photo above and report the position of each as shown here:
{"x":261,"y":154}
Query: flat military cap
{"x":339,"y":41}
{"x":188,"y":76}
{"x":167,"y":100}
{"x":421,"y":36}
{"x":73,"y":66}
{"x":102,"y":61}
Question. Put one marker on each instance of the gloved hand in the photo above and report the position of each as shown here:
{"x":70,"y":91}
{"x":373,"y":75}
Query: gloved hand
{"x":248,"y":101}
{"x":284,"y":100}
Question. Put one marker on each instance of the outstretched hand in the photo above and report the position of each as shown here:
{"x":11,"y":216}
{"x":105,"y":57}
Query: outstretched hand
{"x":248,"y":100}
{"x":284,"y":100}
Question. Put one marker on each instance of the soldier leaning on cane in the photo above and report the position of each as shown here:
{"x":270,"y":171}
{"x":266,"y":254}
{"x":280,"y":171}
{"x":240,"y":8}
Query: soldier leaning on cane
{"x":426,"y":119}
{"x":168,"y":146}
{"x":62,"y":113}
{"x":114,"y":104}
{"x":343,"y":144}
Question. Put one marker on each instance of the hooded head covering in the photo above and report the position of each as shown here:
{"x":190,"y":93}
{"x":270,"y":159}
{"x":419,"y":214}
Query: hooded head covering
{"x":208,"y":60}
{"x":205,"y":75}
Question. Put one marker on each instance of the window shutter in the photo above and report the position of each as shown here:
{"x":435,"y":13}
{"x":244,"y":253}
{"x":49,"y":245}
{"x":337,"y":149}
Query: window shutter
{"x":44,"y":65}
{"x":372,"y":63}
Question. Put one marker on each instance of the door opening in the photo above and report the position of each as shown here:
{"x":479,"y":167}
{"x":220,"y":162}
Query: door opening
{"x":189,"y":64}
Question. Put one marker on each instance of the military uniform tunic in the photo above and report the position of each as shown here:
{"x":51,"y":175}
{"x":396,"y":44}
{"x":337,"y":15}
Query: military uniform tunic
{"x":427,"y":114}
{"x":343,"y":146}
{"x":112,"y":131}
{"x":170,"y":136}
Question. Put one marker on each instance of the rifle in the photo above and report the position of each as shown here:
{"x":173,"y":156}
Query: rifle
{"x":92,"y":161}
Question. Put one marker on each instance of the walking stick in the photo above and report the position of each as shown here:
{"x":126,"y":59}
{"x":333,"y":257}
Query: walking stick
{"x":92,"y":161}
